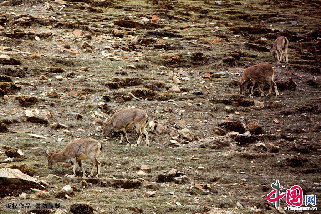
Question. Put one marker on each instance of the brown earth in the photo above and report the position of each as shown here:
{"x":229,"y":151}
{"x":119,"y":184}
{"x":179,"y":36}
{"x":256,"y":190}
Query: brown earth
{"x":67,"y":65}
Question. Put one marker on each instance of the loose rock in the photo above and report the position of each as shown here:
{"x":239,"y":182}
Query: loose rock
{"x":175,"y":89}
{"x":255,"y":128}
{"x":219,"y":131}
{"x":169,"y":176}
{"x":34,"y":116}
{"x":81,"y":209}
{"x":7,"y":60}
{"x":13,"y":182}
{"x":214,"y":143}
{"x":186,"y":133}
{"x":236,"y":126}
{"x":145,"y":168}
{"x":245,"y":139}
{"x":3,"y":127}
{"x":13,"y":152}
{"x":56,"y":70}
{"x":144,"y":93}
{"x":4,"y":78}
{"x":181,"y":180}
{"x":287,"y":84}
{"x":27,"y":101}
{"x":8,"y":88}
{"x":53,"y":94}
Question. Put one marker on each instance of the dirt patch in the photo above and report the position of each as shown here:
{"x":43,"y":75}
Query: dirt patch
{"x":8,"y":88}
{"x":81,"y":208}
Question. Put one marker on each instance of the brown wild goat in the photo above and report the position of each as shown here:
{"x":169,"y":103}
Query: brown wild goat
{"x":76,"y":151}
{"x":127,"y":119}
{"x":261,"y":73}
{"x":280,"y":48}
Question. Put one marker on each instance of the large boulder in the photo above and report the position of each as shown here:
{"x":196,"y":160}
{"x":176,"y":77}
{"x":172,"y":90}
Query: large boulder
{"x":13,"y":182}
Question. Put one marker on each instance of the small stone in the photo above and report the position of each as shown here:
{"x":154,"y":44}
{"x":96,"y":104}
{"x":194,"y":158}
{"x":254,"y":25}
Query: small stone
{"x":5,"y":78}
{"x":219,"y":131}
{"x":81,"y":208}
{"x":181,"y":179}
{"x":197,"y":93}
{"x":229,"y":109}
{"x":78,"y":32}
{"x":176,"y":81}
{"x":23,"y":195}
{"x":70,"y":176}
{"x":152,"y":186}
{"x":56,"y":70}
{"x":67,"y":46}
{"x":141,"y":172}
{"x":52,"y":177}
{"x":7,"y":60}
{"x":34,"y":116}
{"x":43,"y":77}
{"x":168,"y":176}
{"x":145,"y":168}
{"x":67,"y":189}
{"x":32,"y":113}
{"x":59,"y":77}
{"x":53,"y":94}
{"x":245,"y":139}
{"x":6,"y":97}
{"x":3,"y":127}
{"x":258,"y":104}
{"x":215,"y":142}
{"x":160,"y":128}
{"x":220,"y":74}
{"x":58,"y":126}
{"x":260,"y":147}
{"x":274,"y":149}
{"x":86,"y":45}
{"x":151,"y":193}
{"x":67,"y":132}
{"x":175,"y":89}
{"x":13,"y":152}
{"x":4,"y":57}
{"x":233,"y":125}
{"x":60,"y":211}
{"x":117,"y":33}
{"x":131,"y":66}
{"x":26,"y":101}
{"x":286,"y":84}
{"x":200,"y":189}
{"x":186,"y":133}
{"x":255,"y":128}
{"x":8,"y":88}
{"x":7,"y":160}
{"x":174,"y":143}
{"x":42,"y":194}
{"x":84,"y":183}
{"x":276,"y":120}
{"x":239,"y":205}
{"x":84,"y":68}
